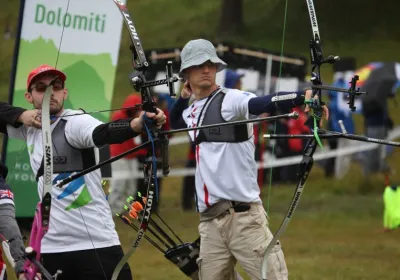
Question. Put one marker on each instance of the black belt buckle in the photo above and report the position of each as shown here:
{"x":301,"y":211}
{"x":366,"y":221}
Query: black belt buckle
{"x":241,"y":207}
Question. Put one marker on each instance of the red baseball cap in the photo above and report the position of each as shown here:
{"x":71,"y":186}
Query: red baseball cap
{"x":44,"y":68}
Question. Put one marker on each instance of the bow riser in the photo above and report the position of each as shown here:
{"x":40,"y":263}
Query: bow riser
{"x":146,"y":219}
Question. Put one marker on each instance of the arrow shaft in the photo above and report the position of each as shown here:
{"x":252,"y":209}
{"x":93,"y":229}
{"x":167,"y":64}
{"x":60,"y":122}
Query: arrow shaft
{"x":90,"y":169}
{"x":333,"y":135}
{"x":293,"y":115}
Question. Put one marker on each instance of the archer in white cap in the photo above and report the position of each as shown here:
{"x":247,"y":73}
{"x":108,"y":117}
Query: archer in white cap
{"x":233,"y":224}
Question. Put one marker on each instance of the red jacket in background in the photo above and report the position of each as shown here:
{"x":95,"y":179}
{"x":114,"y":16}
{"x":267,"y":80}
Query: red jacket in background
{"x":297,"y":127}
{"x":117,"y":149}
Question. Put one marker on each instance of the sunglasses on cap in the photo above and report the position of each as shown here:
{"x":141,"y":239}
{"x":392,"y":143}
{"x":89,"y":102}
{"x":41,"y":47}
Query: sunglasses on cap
{"x":41,"y":87}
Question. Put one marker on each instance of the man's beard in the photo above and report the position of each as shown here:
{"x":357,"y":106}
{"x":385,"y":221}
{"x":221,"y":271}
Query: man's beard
{"x":54,"y":111}
{"x":57,"y":109}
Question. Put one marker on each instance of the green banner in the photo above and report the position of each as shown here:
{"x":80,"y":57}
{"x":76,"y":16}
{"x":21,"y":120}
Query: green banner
{"x":85,"y":48}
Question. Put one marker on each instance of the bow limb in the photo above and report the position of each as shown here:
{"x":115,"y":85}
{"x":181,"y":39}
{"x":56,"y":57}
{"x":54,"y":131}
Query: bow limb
{"x":304,"y":170}
{"x":41,"y":219}
{"x":143,"y":223}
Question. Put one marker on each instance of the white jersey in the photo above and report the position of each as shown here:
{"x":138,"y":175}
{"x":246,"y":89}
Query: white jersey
{"x":79,"y":213}
{"x":224,"y":170}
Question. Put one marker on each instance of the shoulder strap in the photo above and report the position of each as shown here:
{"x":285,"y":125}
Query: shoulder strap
{"x":210,"y":97}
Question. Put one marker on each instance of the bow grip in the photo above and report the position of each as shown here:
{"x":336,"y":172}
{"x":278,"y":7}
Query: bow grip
{"x":164,"y":145}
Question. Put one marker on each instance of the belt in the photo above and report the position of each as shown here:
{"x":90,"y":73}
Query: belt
{"x":223,"y":207}
{"x":239,"y":207}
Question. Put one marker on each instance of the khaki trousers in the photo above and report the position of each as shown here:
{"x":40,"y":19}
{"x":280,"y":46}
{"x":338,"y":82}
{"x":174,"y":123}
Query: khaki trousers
{"x":238,"y":237}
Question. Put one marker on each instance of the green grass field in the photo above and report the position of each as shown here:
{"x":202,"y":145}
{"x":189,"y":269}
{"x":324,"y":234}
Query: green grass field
{"x":337,"y":232}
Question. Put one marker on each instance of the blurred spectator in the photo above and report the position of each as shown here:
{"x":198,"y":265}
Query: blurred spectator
{"x":233,"y":79}
{"x":278,"y":148}
{"x":167,"y":100}
{"x":381,"y":83}
{"x":337,"y":166}
{"x":295,"y":146}
{"x":188,"y":189}
{"x":377,"y":123}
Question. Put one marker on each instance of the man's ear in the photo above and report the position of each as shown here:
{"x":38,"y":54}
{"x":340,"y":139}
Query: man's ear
{"x":185,"y":75}
{"x":28,"y":97}
{"x":65,"y":93}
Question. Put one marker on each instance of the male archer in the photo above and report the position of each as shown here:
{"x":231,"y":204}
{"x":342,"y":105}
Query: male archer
{"x":233,"y":225}
{"x":82,"y":241}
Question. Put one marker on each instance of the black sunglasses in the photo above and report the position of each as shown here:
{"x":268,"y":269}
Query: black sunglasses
{"x":41,"y":87}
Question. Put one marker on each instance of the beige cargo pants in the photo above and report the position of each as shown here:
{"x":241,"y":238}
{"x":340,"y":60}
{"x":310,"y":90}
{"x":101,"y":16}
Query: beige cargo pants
{"x":238,"y":237}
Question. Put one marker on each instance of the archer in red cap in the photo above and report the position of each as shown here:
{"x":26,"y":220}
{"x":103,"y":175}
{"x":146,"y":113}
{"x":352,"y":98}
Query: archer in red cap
{"x":68,"y":245}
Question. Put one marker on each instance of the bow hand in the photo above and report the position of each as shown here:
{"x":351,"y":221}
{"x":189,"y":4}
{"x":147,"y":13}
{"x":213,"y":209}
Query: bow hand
{"x":319,"y":110}
{"x":151,"y":120}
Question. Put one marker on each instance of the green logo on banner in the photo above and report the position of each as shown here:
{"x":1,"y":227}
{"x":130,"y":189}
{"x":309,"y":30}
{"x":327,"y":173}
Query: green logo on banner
{"x":90,"y":22}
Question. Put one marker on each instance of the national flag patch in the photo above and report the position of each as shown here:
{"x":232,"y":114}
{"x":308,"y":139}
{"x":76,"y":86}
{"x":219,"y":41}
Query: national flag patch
{"x":6,"y":194}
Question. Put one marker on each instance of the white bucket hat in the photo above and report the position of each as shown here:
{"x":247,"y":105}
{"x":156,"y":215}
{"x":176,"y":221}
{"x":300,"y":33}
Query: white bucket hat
{"x":196,"y":52}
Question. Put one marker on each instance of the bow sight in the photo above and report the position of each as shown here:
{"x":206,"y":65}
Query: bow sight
{"x":317,"y":59}
{"x":140,"y":84}
{"x":149,"y":105}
